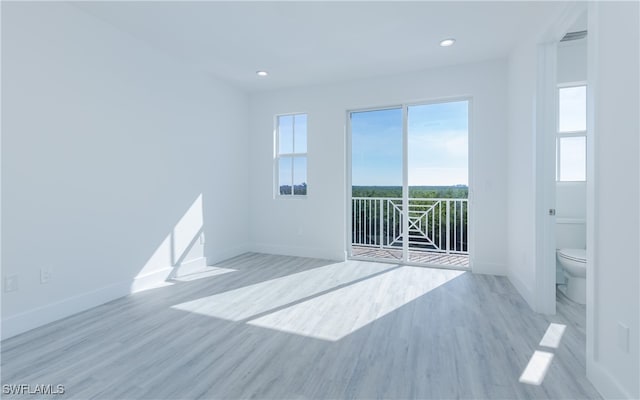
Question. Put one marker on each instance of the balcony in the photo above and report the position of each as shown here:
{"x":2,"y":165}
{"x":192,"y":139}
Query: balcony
{"x":437,"y":230}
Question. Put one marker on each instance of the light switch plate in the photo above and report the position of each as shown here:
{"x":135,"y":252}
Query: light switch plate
{"x":11,"y":283}
{"x":45,"y":274}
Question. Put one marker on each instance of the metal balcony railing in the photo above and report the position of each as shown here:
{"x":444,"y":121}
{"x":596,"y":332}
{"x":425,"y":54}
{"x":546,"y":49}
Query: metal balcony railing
{"x":436,"y":225}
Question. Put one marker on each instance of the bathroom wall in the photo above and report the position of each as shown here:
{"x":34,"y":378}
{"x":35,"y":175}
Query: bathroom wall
{"x":571,"y":197}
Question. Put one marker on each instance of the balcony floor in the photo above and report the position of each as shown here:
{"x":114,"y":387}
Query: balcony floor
{"x":419,"y":257}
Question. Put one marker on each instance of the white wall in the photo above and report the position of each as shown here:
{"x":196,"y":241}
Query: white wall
{"x":572,"y":61}
{"x":613,"y":245}
{"x":571,"y":200}
{"x":114,"y":157}
{"x":521,"y":255}
{"x":316,"y":226}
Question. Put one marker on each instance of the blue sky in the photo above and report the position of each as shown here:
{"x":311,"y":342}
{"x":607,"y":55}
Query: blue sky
{"x":438,"y":146}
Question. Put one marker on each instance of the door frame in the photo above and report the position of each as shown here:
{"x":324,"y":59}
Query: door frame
{"x":545,"y":160}
{"x":348,"y":176}
{"x":405,"y":176}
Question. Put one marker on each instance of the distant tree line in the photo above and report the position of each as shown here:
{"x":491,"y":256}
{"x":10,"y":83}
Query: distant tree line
{"x":297,"y":189}
{"x":429,"y":192}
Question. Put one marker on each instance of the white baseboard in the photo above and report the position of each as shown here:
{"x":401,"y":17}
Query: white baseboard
{"x":488,"y":268}
{"x":151,"y":280}
{"x":309,"y":252}
{"x":25,"y":321}
{"x":604,"y":383}
{"x":190,"y":267}
{"x":524,"y":290}
{"x":220,"y":255}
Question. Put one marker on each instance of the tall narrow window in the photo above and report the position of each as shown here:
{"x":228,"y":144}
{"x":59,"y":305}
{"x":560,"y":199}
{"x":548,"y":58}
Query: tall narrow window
{"x":291,"y":155}
{"x":571,"y":143}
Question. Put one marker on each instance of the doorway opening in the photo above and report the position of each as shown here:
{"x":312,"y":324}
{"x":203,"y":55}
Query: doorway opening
{"x":570,"y":137}
{"x":562,"y":176}
{"x":409,"y":184}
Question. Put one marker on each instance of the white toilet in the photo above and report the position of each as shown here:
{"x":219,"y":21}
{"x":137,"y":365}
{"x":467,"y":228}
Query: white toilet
{"x":574,"y":263}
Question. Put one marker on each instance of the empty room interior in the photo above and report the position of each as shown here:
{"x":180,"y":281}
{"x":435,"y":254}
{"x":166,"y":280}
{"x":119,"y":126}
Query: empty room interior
{"x":320,"y":200}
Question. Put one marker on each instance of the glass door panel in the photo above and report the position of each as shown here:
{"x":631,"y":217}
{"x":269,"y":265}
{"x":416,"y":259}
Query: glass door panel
{"x":376,"y":178}
{"x":438,"y":180}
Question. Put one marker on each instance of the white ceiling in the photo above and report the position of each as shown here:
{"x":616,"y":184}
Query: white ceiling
{"x":304,"y":43}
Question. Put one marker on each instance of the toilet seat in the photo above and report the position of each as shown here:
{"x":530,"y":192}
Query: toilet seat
{"x":577,"y":255}
{"x":573,"y":261}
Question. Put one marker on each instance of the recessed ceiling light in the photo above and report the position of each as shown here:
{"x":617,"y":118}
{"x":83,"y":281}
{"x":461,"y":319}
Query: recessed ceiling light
{"x":262,"y":73}
{"x":447,"y":42}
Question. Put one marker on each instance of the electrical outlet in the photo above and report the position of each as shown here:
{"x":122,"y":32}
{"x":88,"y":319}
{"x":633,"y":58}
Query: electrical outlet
{"x":45,"y":274}
{"x":623,"y":337}
{"x":11,"y":283}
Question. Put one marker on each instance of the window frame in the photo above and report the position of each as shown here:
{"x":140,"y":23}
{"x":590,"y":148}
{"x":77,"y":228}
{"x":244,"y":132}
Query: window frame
{"x":567,"y":134}
{"x":293,"y":155}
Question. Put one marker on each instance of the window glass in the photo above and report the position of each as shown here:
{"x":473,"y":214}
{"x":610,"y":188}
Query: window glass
{"x":573,"y":160}
{"x":300,"y":124}
{"x":300,"y":175}
{"x":284,"y":180}
{"x":285,"y":134}
{"x":572,"y":111}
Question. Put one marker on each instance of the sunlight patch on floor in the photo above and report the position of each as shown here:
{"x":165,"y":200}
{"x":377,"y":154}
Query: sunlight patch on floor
{"x":341,"y":312}
{"x":553,"y":335}
{"x":252,"y":300}
{"x":537,"y":368}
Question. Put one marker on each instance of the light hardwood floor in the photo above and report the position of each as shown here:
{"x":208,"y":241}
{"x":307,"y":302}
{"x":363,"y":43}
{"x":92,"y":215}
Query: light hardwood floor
{"x":263,"y":326}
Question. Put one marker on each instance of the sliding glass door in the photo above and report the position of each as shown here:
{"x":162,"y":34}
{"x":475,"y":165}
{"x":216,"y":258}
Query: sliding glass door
{"x":409,"y":183}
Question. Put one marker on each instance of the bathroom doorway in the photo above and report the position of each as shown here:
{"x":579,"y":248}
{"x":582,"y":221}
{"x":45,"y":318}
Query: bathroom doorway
{"x":561,"y":153}
{"x":571,"y":162}
{"x":562,"y":178}
{"x":571,"y":174}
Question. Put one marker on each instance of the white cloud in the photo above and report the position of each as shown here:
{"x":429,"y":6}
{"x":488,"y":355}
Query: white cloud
{"x":438,"y":176}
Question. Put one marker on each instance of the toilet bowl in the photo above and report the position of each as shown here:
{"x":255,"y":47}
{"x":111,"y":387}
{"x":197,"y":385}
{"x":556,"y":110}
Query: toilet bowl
{"x":574,"y":263}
